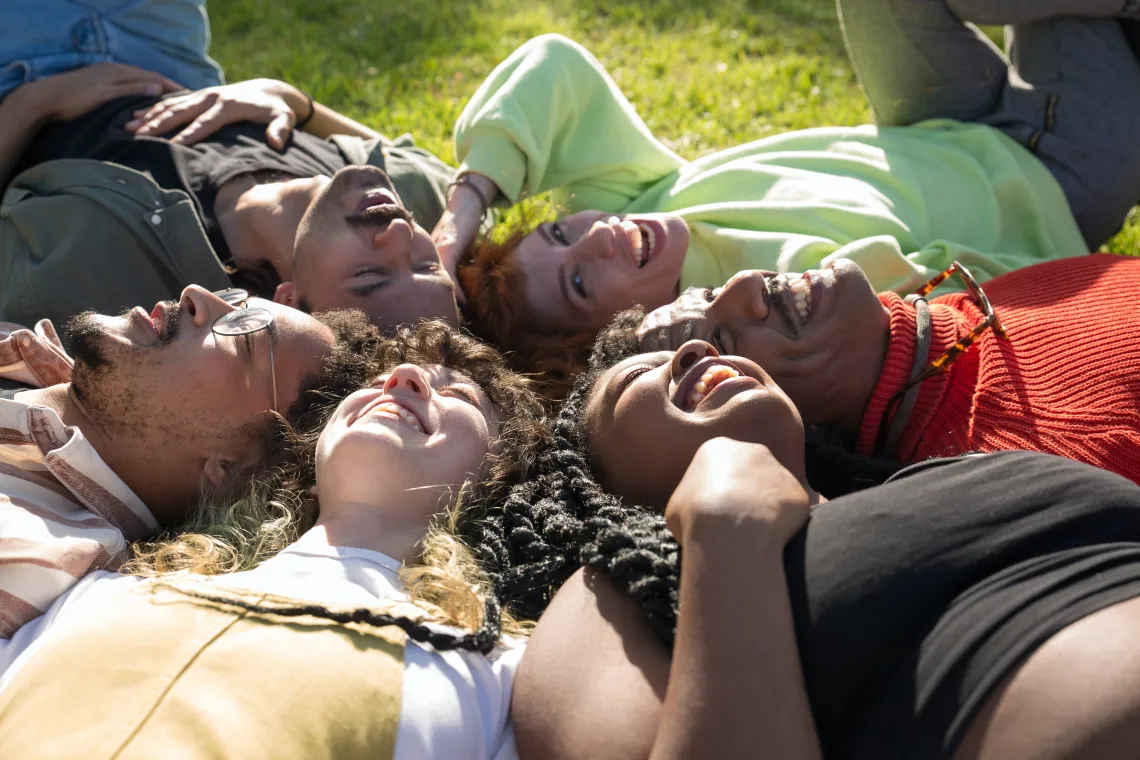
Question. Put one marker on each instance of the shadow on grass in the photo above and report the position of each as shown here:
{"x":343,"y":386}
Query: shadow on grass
{"x":294,"y":37}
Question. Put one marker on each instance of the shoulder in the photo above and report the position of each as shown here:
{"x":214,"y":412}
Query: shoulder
{"x":594,"y":676}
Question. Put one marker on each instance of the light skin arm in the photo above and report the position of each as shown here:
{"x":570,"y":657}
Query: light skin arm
{"x":596,"y":683}
{"x":459,"y":223}
{"x":197,"y":115}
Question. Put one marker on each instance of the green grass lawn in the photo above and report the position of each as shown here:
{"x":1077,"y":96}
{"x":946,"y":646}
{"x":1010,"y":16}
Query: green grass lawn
{"x":704,"y":75}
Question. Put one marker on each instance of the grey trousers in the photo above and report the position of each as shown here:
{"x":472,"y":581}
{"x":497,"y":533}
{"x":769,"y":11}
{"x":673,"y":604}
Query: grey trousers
{"x":1069,"y":90}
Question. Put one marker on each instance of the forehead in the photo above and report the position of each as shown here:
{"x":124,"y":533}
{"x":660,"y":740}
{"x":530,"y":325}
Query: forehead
{"x":293,"y":324}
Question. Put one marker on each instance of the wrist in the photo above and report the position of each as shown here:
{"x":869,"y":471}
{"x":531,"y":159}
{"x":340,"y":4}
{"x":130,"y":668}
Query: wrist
{"x":298,"y":102}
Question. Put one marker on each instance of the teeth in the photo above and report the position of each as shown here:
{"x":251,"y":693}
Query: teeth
{"x":650,"y":243}
{"x":712,"y":377}
{"x":395,"y":410}
{"x":634,"y":232}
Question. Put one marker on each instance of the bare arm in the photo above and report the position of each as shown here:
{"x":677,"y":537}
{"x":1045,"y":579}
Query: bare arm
{"x":22,"y":116}
{"x":459,"y":223}
{"x":595,"y":683}
{"x":197,"y":115}
{"x":29,"y":108}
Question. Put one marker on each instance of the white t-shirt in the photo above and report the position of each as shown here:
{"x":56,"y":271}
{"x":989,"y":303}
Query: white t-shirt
{"x":455,"y":705}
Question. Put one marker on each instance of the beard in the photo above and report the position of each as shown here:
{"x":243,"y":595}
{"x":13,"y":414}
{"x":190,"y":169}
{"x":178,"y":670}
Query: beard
{"x":107,"y":376}
{"x":82,"y":337}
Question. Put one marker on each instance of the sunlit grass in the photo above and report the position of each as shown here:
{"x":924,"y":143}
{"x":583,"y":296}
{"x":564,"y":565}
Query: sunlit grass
{"x":704,"y":76}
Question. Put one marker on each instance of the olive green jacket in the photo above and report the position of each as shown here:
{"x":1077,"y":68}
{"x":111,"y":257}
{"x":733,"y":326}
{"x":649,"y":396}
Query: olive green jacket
{"x":78,"y":234}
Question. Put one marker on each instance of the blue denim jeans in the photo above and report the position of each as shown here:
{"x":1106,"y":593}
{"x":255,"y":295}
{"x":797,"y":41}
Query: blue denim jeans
{"x":39,"y":38}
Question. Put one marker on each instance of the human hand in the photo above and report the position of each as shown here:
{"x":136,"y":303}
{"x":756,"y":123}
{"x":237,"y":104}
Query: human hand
{"x":74,"y":93}
{"x":732,"y":490}
{"x":467,"y":204}
{"x":202,"y":113}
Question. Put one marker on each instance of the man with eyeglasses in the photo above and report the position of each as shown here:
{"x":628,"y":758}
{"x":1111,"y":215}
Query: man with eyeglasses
{"x":110,"y":441}
{"x":1044,"y":358}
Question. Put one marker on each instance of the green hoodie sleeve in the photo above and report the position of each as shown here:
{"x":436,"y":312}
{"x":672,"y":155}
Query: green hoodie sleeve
{"x":549,"y":117}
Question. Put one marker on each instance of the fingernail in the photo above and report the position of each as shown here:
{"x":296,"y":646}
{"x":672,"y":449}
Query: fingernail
{"x":154,"y":89}
{"x":132,"y":124}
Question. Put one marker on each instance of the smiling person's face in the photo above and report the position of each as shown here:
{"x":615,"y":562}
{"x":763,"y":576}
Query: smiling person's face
{"x":357,"y":247}
{"x":415,"y":435}
{"x":821,"y":335}
{"x":581,"y":270}
{"x":647,"y":416}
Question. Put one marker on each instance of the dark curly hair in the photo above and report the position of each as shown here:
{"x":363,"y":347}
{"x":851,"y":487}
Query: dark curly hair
{"x":562,"y":519}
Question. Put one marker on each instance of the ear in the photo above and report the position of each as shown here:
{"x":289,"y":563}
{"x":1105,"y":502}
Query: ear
{"x":284,"y":294}
{"x":228,"y":467}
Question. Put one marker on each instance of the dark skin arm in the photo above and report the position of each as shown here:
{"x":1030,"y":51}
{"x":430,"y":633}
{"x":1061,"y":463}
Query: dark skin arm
{"x":31,"y":107}
{"x":596,"y":682}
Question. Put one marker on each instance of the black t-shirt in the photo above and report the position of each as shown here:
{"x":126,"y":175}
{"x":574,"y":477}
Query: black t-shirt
{"x":199,"y":169}
{"x":913,"y":600}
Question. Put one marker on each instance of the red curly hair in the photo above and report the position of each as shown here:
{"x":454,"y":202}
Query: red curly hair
{"x":498,"y":313}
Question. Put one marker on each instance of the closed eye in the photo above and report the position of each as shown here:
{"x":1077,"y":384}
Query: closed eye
{"x":628,"y":378}
{"x":459,"y":391}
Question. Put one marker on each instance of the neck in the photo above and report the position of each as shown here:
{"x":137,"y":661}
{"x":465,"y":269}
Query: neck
{"x":259,"y":221}
{"x":364,"y":526}
{"x":62,"y":400}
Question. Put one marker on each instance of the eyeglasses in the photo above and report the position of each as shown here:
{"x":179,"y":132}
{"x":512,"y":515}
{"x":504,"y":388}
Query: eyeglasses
{"x":247,"y":320}
{"x":943,"y":362}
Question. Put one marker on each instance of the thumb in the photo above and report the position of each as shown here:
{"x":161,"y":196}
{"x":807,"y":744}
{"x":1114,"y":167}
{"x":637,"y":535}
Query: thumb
{"x":278,"y":131}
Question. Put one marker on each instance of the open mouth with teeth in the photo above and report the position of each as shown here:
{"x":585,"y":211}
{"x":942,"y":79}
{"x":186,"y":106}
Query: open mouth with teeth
{"x":708,"y":381}
{"x":391,"y":409}
{"x":793,"y":298}
{"x":643,"y":237}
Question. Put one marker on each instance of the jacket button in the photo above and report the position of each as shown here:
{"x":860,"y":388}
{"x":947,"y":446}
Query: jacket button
{"x":156,"y":219}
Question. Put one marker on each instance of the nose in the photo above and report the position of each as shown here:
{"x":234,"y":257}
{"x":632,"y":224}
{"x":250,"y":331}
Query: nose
{"x":410,"y":379}
{"x":394,"y":243}
{"x":599,"y":242}
{"x":743,"y":297}
{"x":689,"y":354}
{"x":202,"y":306}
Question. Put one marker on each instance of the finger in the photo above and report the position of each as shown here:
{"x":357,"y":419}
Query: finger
{"x":176,"y":116}
{"x":204,"y":126}
{"x":145,"y":115}
{"x":110,"y":92}
{"x":278,"y":131}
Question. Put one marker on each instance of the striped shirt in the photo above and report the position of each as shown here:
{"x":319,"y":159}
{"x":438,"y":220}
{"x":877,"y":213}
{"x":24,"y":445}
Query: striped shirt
{"x":63,"y":512}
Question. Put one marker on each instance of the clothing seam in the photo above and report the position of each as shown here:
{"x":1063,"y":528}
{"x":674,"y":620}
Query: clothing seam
{"x":173,"y":681}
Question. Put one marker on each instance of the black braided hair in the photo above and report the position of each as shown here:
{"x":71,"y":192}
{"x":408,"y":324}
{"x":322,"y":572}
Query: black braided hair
{"x":481,"y":640}
{"x":561,"y":518}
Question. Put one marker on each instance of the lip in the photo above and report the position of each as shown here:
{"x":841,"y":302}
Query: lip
{"x":377,"y":197}
{"x":693,"y":374}
{"x":386,"y":398}
{"x":789,"y":314}
{"x":660,"y":235}
{"x":159,"y":319}
{"x":140,"y":318}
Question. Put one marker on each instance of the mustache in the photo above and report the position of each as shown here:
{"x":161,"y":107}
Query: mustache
{"x":380,"y":216}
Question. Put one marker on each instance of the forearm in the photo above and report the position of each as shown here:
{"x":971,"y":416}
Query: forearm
{"x":735,"y":689}
{"x":459,"y":224}
{"x":22,"y":116}
{"x":327,"y":122}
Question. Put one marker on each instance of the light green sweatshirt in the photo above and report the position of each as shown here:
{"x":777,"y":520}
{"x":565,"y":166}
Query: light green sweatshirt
{"x":904,"y":202}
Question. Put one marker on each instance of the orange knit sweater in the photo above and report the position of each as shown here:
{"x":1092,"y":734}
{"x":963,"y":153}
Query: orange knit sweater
{"x":1066,"y":382}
